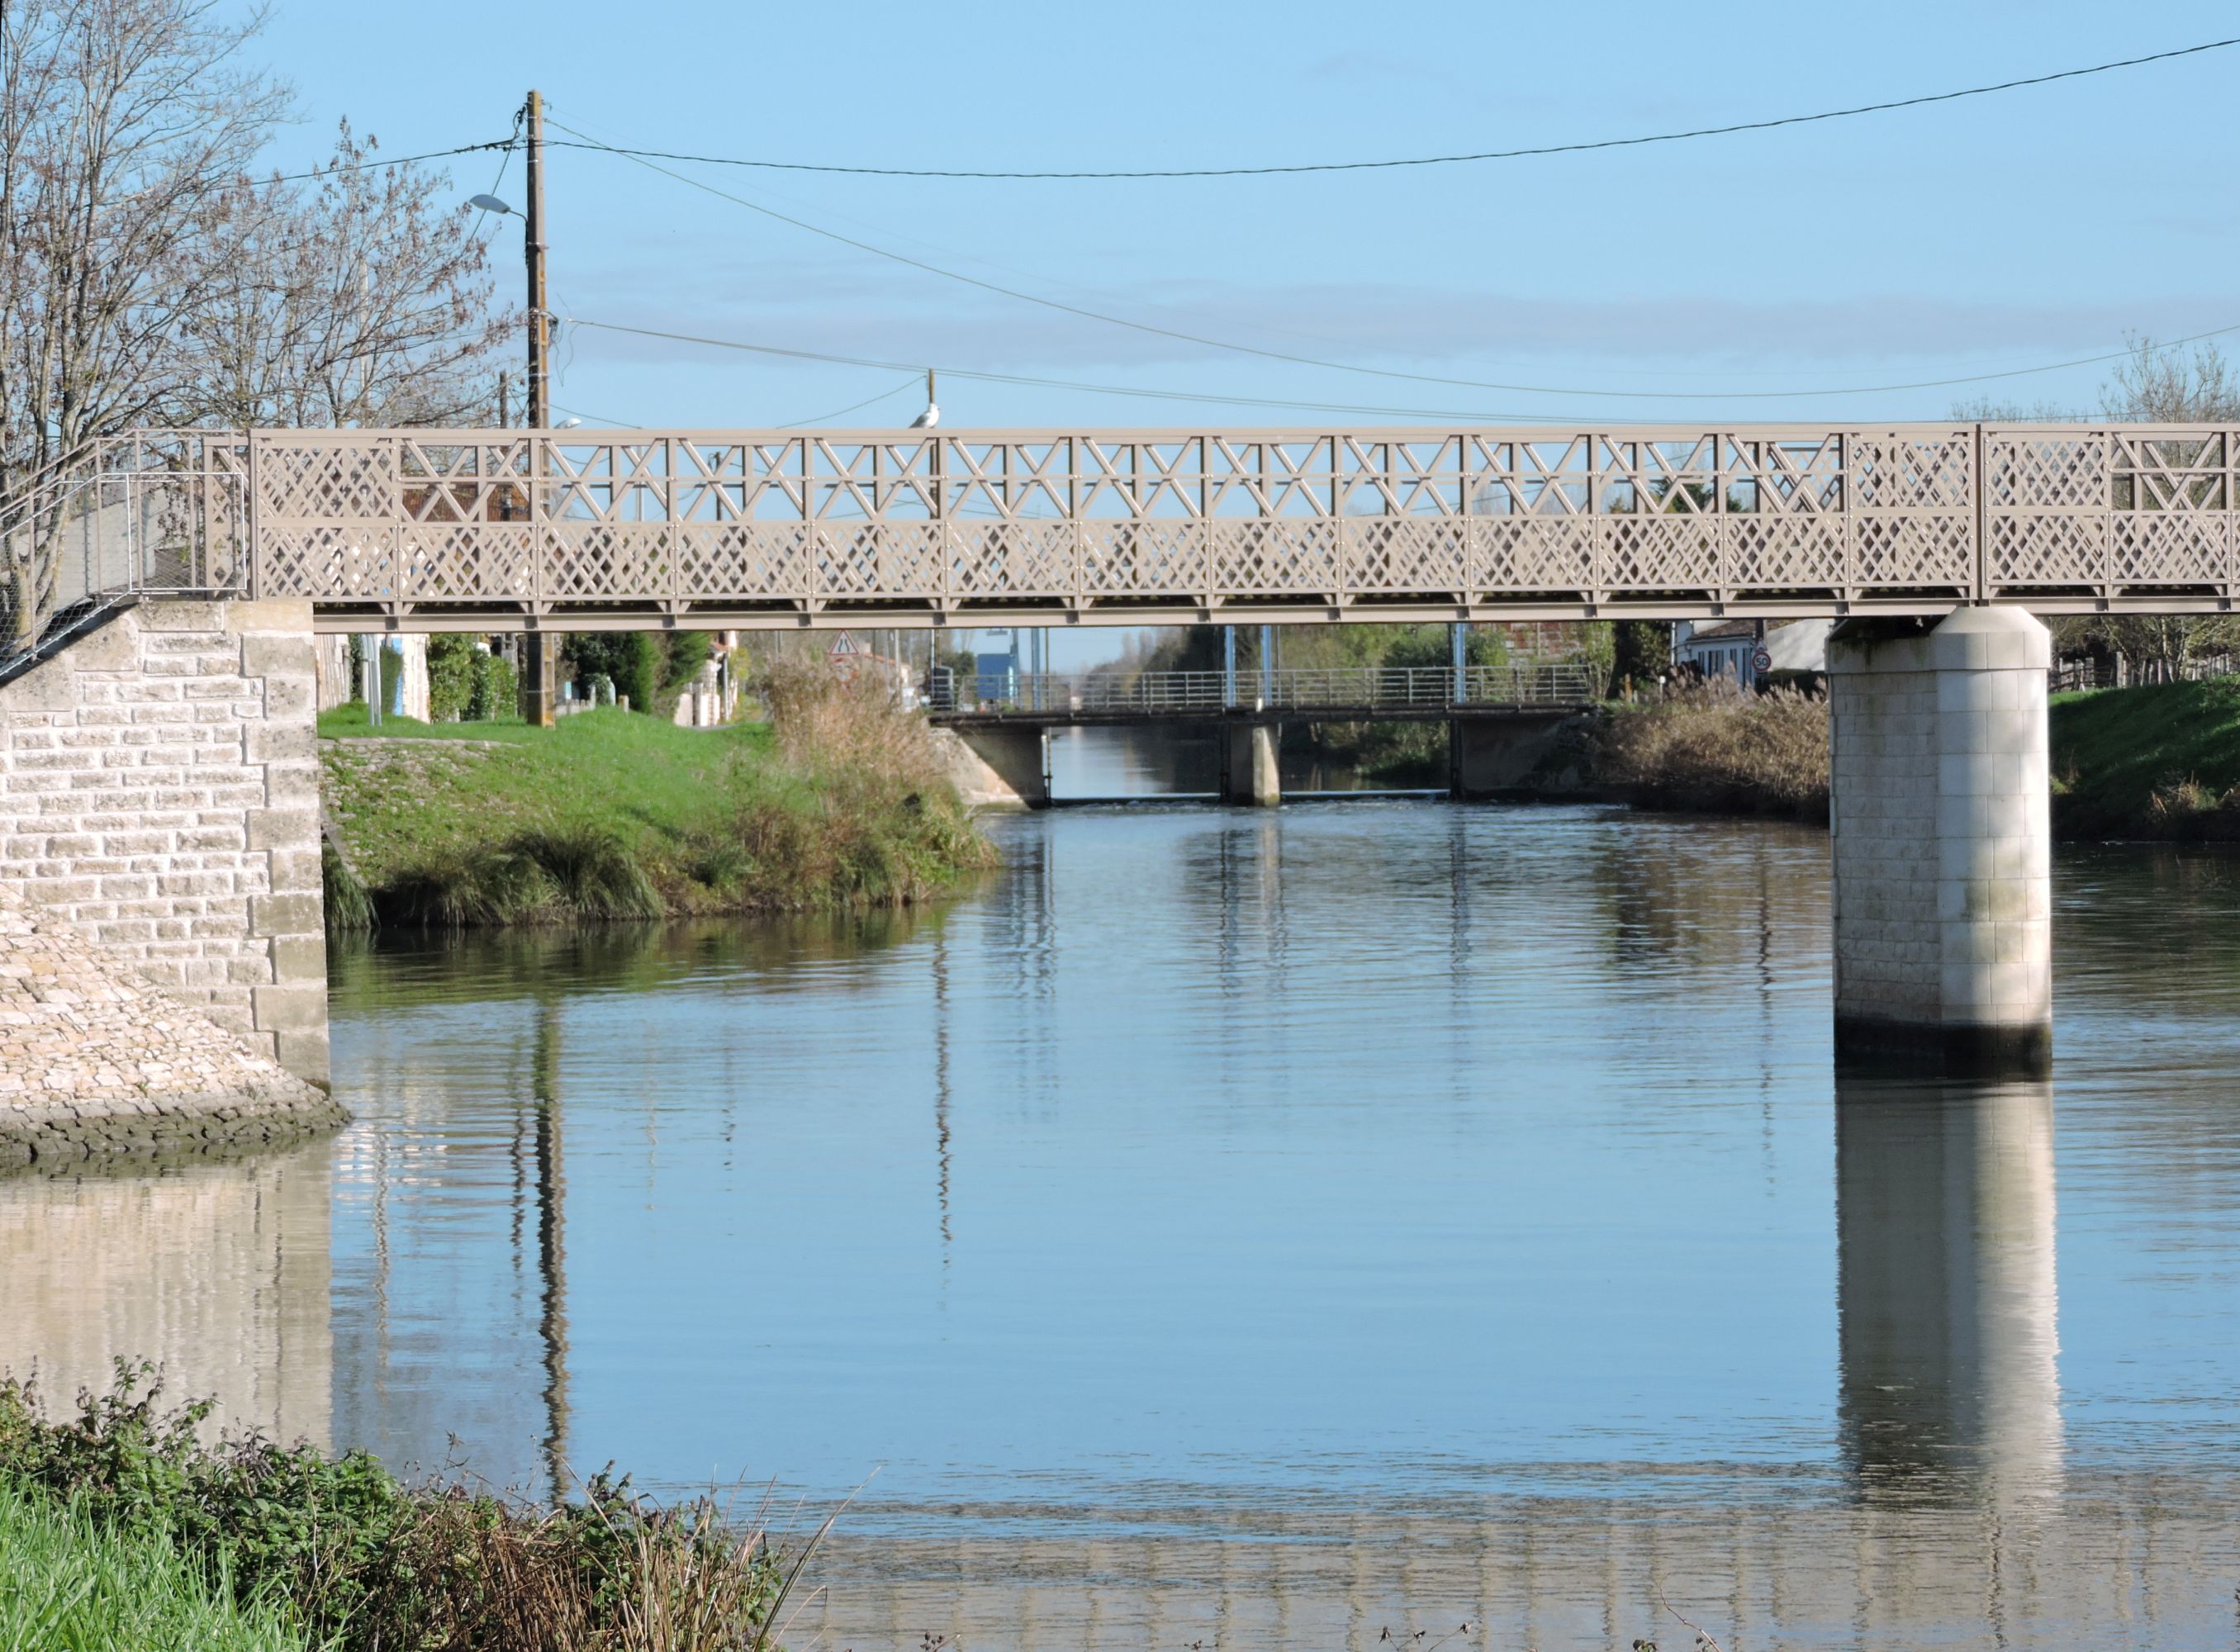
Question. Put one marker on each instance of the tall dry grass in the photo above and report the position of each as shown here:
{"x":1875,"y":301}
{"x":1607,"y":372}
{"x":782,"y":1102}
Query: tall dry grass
{"x":1718,"y":748}
{"x":857,"y":809}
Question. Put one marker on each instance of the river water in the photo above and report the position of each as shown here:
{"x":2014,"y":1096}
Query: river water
{"x":1267,"y":1229}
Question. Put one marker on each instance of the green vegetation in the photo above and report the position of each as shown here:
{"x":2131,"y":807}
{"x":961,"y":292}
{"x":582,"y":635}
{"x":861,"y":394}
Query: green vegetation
{"x":123,"y":1530}
{"x":1718,"y":748}
{"x":839,"y":802}
{"x":2161,"y":761}
{"x":76,"y":1584}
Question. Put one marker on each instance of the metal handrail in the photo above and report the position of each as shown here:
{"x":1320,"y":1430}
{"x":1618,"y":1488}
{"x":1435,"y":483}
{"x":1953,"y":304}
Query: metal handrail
{"x":1307,"y":689}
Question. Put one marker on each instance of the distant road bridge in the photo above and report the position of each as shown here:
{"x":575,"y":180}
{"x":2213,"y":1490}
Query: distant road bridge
{"x":512,"y":531}
{"x":1335,"y":693}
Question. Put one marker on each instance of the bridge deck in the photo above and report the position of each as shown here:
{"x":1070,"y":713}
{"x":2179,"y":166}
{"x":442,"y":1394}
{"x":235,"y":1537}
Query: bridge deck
{"x":507,"y":529}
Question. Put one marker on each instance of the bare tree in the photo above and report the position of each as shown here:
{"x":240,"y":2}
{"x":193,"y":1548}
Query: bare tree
{"x":358,"y":300}
{"x":124,"y":125}
{"x":145,"y":280}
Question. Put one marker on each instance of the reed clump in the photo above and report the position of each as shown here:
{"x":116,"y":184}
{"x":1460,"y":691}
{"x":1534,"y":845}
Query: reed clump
{"x":1714,"y":746}
{"x":348,"y":1558}
{"x":841,"y":802}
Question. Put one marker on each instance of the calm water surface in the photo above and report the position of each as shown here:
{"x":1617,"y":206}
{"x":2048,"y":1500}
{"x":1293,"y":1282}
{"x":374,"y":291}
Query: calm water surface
{"x":1264,"y":1229}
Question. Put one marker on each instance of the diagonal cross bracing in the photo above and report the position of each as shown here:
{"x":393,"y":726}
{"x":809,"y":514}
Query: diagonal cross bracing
{"x":497,"y":530}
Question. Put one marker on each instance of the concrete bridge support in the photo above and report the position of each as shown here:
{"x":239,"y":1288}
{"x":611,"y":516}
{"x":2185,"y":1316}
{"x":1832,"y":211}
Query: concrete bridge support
{"x":1249,"y":774}
{"x":1489,"y":754}
{"x":1942,"y":836}
{"x":1004,"y":768}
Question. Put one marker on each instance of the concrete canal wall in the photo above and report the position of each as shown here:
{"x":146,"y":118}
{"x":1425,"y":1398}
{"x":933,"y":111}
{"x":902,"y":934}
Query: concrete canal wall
{"x":159,"y":794}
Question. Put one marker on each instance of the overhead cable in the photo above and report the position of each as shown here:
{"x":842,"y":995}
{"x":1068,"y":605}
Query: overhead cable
{"x":1433,"y":160}
{"x":1353,"y":367}
{"x":1138,"y":392}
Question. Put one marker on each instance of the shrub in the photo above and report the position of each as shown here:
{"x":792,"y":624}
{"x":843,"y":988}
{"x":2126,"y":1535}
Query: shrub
{"x":494,"y":692}
{"x":362,"y":1561}
{"x":452,"y":658}
{"x":1716,"y":746}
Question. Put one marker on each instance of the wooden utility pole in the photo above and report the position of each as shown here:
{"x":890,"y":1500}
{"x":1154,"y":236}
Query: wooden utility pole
{"x":540,"y":324}
{"x":540,"y":665}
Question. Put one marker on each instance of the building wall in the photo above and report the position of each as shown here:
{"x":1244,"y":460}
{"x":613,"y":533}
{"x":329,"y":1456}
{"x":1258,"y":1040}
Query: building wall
{"x":159,"y":792}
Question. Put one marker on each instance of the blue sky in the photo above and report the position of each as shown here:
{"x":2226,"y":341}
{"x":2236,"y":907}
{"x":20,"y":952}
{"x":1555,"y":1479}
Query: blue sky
{"x":2002,"y":231}
{"x":2031,"y":226}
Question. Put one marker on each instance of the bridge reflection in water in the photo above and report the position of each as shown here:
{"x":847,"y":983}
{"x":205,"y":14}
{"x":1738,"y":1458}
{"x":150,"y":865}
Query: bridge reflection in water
{"x":1949,"y":1510}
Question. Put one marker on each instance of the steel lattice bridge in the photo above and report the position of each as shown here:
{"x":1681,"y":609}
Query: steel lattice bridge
{"x":488,"y":530}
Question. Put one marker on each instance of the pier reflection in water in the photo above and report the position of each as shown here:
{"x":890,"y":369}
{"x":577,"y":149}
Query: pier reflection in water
{"x":1262,"y":1230}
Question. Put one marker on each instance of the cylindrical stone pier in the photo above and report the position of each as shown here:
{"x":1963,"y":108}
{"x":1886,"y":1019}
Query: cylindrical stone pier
{"x":1939,"y":813}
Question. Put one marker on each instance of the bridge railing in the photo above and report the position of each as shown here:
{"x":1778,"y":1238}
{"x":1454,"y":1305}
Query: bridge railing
{"x":155,"y":511}
{"x":1309,"y":689}
{"x":470,"y":530}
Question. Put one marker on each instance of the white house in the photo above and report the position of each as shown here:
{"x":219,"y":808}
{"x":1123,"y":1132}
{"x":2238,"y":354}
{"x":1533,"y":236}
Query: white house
{"x":1728,"y":648}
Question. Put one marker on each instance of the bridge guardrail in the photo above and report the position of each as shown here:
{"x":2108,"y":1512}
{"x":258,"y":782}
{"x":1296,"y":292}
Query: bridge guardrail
{"x":499,"y":529}
{"x":157,"y":511}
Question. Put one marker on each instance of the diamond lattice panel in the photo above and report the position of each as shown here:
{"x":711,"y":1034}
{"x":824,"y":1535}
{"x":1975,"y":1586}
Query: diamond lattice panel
{"x":343,"y":482}
{"x":468,"y":561}
{"x":1528,"y":554}
{"x":329,"y":564}
{"x":623,"y":561}
{"x":2171,"y":548}
{"x":744,"y":559}
{"x":1427,"y":553}
{"x":1906,"y":550}
{"x":1667,"y":551}
{"x":1294,"y":558}
{"x":2048,"y":551}
{"x":879,"y":559}
{"x":1144,"y":559}
{"x":1803,"y":550}
{"x":1017,"y":558}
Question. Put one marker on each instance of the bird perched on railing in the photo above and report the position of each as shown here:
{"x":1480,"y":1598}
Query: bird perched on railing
{"x":932,"y":417}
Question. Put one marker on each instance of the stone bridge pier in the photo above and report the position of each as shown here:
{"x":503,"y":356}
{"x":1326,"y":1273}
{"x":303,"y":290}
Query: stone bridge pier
{"x":159,"y":792}
{"x":1940,"y":816}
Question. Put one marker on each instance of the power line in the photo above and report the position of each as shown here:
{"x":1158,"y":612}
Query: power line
{"x":397,"y":160}
{"x":795,"y":425}
{"x":1351,"y":367}
{"x":1440,"y":160}
{"x":1136,"y":391}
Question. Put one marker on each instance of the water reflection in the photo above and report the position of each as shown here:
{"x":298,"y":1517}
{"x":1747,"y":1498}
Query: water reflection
{"x":219,"y":1272}
{"x":1945,"y":1284}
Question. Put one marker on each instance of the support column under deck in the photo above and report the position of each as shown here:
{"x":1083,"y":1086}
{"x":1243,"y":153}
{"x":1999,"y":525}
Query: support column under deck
{"x":1249,"y":774}
{"x":1940,"y":821}
{"x":997,"y":768}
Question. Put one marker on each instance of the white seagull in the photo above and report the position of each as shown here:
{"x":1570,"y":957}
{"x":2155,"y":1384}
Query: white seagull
{"x":932,"y":417}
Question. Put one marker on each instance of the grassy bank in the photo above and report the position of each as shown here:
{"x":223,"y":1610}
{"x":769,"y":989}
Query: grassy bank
{"x":2161,"y":761}
{"x":838,"y":802}
{"x":70,"y":1581}
{"x":121,"y":1528}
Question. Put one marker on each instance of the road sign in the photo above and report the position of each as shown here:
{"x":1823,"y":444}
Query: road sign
{"x":1761,"y":661}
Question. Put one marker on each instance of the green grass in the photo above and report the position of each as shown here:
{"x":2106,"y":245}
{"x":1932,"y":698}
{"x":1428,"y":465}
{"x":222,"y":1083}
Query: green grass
{"x":69,"y":1583}
{"x":614,"y":814}
{"x":2158,"y":761}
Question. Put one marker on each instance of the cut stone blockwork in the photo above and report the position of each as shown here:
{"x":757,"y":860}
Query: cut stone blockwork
{"x":96,"y":1062}
{"x":1940,"y":810}
{"x":159,"y":792}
